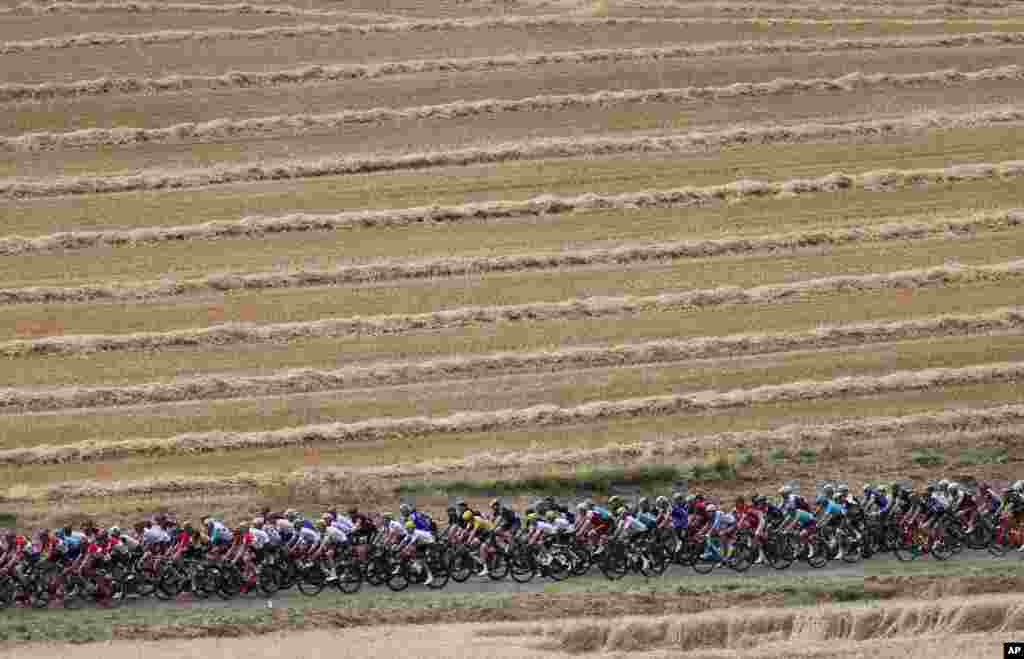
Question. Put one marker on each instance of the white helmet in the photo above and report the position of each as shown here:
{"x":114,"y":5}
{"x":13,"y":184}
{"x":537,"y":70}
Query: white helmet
{"x":954,"y":486}
{"x":943,"y":484}
{"x":843,"y":488}
{"x":711,"y":508}
{"x":785,"y":490}
{"x":661,"y":502}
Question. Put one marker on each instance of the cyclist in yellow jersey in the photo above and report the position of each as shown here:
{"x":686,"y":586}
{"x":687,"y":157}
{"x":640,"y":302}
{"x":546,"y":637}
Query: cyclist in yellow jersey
{"x":482,"y":530}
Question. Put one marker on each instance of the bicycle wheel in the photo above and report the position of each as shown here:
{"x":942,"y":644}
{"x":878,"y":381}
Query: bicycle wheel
{"x":267,"y":581}
{"x":350,"y":578}
{"x":172,"y":582}
{"x":312,"y":581}
{"x":614,"y":563}
{"x":522,"y":567}
{"x":398,"y":579}
{"x":780,"y":552}
{"x":851,"y":550}
{"x":438,"y":569}
{"x":941,"y":549}
{"x":462,"y":566}
{"x":497,"y":567}
{"x":820,"y":557}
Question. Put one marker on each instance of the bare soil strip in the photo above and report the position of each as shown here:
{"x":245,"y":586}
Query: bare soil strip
{"x":225,"y":128}
{"x":540,"y":416}
{"x":142,"y":7}
{"x":151,"y":180}
{"x":546,"y":205}
{"x":217,"y":387}
{"x":248,"y":334}
{"x":100,"y":39}
{"x":455,"y":266}
{"x":333,"y":73}
{"x":781,"y":11}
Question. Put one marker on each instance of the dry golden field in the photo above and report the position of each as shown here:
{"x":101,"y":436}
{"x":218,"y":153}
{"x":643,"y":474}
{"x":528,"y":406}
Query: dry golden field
{"x":274,"y":254}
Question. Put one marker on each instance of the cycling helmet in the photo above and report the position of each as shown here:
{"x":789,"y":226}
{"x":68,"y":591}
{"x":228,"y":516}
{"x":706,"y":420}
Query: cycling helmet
{"x":1018,"y":486}
{"x":613,"y":501}
{"x":691,"y":498}
{"x":404,"y":509}
{"x":460,"y":502}
{"x":821,"y":500}
{"x":321,"y":524}
{"x":409,"y":524}
{"x":551,"y":515}
{"x":711,"y":508}
{"x":843,"y":488}
{"x":582,"y":506}
{"x":643,"y":502}
{"x":115,"y":531}
{"x":678,"y":497}
{"x":953,"y":487}
{"x":621,"y":512}
{"x":785,"y":490}
{"x":531,"y":517}
{"x":467,"y":516}
{"x":389,"y":516}
{"x":661,"y":502}
{"x":943,"y":484}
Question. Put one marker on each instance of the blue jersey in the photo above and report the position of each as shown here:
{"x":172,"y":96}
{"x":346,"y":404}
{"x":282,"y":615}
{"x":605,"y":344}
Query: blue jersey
{"x":603,"y":513}
{"x":680,"y":517}
{"x":831,"y":508}
{"x":648,"y":519}
{"x":422,"y":522}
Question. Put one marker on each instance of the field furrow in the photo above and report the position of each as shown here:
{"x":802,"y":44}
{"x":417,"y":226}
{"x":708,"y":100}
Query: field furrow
{"x":327,"y":72}
{"x":453,"y":45}
{"x":156,"y":180}
{"x":965,"y":425}
{"x":594,"y":307}
{"x":733,"y":27}
{"x":225,"y":129}
{"x":198,"y":105}
{"x":540,"y":416}
{"x":310,"y":380}
{"x":622,"y":256}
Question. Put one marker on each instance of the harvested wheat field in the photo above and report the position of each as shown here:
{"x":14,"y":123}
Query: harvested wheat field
{"x":329,"y":253}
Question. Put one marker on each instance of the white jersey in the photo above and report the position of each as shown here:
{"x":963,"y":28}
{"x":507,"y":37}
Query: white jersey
{"x":260,"y":539}
{"x":309,"y":536}
{"x":334,"y":536}
{"x":275,"y":537}
{"x":548,"y":529}
{"x":155,"y":535}
{"x":344,"y":523}
{"x":562,"y":524}
{"x":422,"y":537}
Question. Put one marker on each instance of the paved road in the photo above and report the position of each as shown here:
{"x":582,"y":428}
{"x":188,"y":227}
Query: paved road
{"x":675,"y":573}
